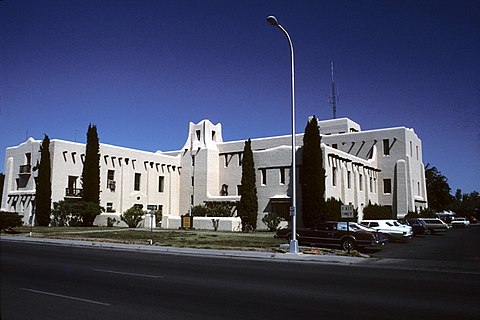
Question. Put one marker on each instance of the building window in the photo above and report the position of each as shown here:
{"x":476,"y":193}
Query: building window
{"x":387,"y":186}
{"x":239,"y":190}
{"x":282,"y":176}
{"x":418,"y":188}
{"x":226,"y":161}
{"x":411,"y":149}
{"x":224,"y":191}
{"x":161,"y":183}
{"x":198,"y":135}
{"x":334,"y":176}
{"x":349,"y":179}
{"x":335,"y":146}
{"x":110,"y":207}
{"x":136,"y":185}
{"x":111,"y":180}
{"x":386,"y":147}
{"x":371,"y":184}
{"x":214,"y":135}
{"x":360,"y":181}
{"x":240,"y":159}
{"x":416,"y":147}
{"x":263,"y":176}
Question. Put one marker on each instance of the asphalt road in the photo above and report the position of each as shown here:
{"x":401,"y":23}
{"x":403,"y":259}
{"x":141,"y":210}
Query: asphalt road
{"x":40,"y":281}
{"x":455,"y":245}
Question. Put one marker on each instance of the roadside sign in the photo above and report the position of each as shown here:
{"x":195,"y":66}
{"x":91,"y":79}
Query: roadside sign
{"x":346,"y":211}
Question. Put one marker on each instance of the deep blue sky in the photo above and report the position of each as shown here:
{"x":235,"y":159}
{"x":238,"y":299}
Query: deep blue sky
{"x":141,"y":70}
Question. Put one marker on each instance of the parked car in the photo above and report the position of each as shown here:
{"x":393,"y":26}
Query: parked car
{"x":391,"y":228}
{"x":335,"y":233}
{"x":434,"y":225}
{"x":418,"y":226}
{"x":460,"y":222}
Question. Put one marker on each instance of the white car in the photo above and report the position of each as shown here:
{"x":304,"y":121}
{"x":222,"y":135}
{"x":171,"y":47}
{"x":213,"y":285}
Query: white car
{"x":460,"y":222}
{"x":391,"y":228}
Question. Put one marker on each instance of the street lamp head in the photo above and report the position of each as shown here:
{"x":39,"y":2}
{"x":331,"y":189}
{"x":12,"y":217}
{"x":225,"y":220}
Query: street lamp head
{"x":272,"y":21}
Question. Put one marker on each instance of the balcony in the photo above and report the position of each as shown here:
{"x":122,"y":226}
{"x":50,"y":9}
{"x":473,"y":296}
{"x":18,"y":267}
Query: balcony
{"x":73,"y":192}
{"x":25,"y":169}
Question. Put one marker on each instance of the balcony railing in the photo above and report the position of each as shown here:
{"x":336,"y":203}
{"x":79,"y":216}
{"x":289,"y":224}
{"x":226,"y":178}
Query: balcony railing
{"x":73,"y":192}
{"x":25,"y":169}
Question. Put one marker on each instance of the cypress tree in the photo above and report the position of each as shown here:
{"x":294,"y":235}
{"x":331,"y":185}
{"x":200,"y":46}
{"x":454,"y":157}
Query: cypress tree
{"x":313,"y":180}
{"x":248,"y":206}
{"x":43,"y":196}
{"x":91,"y":175}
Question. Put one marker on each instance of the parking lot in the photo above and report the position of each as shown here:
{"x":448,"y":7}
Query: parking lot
{"x":457,"y":244}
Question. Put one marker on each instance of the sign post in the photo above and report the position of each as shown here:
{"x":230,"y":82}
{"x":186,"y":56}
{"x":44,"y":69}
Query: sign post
{"x":346,"y":212}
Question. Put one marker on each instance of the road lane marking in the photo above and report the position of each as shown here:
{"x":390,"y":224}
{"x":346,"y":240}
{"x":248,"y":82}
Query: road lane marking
{"x":66,"y":297}
{"x":128,"y":273}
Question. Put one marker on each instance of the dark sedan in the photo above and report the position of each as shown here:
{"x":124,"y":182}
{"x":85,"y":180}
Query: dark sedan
{"x":418,"y":226}
{"x":335,"y":233}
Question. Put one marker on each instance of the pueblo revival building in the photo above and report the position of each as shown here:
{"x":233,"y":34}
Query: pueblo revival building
{"x":381,"y":166}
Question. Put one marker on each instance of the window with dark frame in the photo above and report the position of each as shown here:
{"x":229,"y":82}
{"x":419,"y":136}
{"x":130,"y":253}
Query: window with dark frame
{"x":387,"y":185}
{"x":386,"y":147}
{"x":136,"y":186}
{"x":161,"y":183}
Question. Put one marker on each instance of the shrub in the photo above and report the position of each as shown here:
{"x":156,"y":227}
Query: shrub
{"x":158,"y":217}
{"x":200,"y":211}
{"x":333,"y":209}
{"x":272,"y":221}
{"x":219,"y":209}
{"x":74,"y":214}
{"x":9,"y":220}
{"x":213,"y":209}
{"x":133,"y":216}
{"x":376,"y":211}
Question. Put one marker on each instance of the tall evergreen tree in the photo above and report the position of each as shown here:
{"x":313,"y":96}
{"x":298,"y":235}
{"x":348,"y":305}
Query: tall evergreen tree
{"x":248,"y":206}
{"x":438,"y":189}
{"x":91,"y":174}
{"x":43,"y":197}
{"x":313,"y":179}
{"x":2,"y":179}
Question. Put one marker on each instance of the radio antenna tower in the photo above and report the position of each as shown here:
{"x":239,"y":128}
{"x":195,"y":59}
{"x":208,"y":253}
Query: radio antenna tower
{"x":333,"y":98}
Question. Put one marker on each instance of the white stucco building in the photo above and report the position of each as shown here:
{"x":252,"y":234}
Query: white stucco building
{"x":379,"y":166}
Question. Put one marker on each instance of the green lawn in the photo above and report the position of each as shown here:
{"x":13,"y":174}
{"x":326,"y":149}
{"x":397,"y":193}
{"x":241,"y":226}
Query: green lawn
{"x":260,"y":241}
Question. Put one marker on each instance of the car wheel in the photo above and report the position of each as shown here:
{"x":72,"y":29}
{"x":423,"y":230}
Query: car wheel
{"x":428,"y":232}
{"x":348,"y":244}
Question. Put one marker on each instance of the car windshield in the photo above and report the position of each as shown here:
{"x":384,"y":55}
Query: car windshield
{"x":352,"y":226}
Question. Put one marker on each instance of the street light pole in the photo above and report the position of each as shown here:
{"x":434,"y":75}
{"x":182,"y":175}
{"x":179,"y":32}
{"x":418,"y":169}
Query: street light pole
{"x":293,"y":210}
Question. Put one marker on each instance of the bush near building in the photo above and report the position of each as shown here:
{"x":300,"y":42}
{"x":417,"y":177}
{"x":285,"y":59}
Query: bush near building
{"x":213,"y":209}
{"x":10,"y":220}
{"x":74,"y":213}
{"x":376,"y":211}
{"x":272,"y":221}
{"x":133,"y":216}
